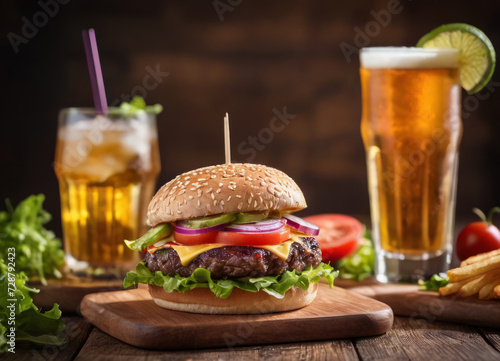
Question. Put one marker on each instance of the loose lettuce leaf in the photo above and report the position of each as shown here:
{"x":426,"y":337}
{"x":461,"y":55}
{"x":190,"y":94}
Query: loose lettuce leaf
{"x":434,"y":283}
{"x":361,"y":264}
{"x":37,"y":251}
{"x":274,"y":285}
{"x":150,"y":237}
{"x":31,"y":325}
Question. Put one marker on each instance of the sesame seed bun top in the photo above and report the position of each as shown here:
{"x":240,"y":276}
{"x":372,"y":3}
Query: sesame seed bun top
{"x":225,"y":188}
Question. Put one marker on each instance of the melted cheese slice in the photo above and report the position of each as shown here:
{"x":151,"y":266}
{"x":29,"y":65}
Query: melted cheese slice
{"x":188,"y":253}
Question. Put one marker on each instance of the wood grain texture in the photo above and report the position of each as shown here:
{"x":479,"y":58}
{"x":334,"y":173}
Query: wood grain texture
{"x":407,"y":300}
{"x":77,"y":331}
{"x":492,"y":336}
{"x":417,"y":339}
{"x":101,"y":346}
{"x":132,"y":316}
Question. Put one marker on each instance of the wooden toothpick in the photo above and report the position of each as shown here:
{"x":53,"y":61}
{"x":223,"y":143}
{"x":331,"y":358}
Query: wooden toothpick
{"x":227,"y":143}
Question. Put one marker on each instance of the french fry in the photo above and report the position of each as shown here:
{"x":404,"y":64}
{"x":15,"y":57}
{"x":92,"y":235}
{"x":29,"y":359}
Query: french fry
{"x":474,"y":269}
{"x":485,"y":291}
{"x":474,"y":286}
{"x":454,"y":287}
{"x":495,"y":293}
{"x":480,"y":257}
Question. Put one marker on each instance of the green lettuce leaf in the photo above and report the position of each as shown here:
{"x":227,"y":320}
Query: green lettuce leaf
{"x":361,"y":264}
{"x":31,"y":325}
{"x":38,"y":253}
{"x":434,"y":283}
{"x":273,"y":285}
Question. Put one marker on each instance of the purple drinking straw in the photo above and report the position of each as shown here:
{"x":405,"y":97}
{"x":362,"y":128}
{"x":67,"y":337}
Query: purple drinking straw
{"x":95,"y":72}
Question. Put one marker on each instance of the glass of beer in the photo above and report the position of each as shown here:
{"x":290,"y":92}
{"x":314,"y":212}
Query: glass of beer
{"x":107,"y":167}
{"x":411,"y":129}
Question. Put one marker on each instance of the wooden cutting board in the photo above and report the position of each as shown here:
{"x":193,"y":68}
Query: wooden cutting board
{"x":407,"y":300}
{"x":132,"y":317}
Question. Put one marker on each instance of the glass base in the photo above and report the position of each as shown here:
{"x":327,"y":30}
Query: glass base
{"x":84,"y":270}
{"x":396,"y":268}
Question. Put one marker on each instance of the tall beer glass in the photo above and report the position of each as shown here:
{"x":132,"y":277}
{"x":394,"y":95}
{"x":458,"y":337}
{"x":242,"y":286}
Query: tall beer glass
{"x":107,"y":167}
{"x":411,"y":129}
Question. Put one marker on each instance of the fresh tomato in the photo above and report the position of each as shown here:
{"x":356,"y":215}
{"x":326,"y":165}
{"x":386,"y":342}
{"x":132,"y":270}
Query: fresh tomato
{"x":195,"y":239}
{"x":253,"y":239}
{"x":478,"y":237}
{"x":339,"y":235}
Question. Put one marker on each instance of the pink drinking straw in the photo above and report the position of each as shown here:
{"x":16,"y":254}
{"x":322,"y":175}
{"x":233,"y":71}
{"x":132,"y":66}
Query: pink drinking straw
{"x":92,"y":54}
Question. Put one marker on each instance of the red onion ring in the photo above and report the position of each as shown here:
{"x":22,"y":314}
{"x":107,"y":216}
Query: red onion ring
{"x":301,"y":225}
{"x":269,"y":225}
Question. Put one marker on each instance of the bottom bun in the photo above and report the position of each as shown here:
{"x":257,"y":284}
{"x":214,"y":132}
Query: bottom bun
{"x":202,"y":300}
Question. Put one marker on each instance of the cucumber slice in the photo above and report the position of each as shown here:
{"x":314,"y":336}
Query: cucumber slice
{"x":152,"y":236}
{"x":251,"y":217}
{"x":209,"y":221}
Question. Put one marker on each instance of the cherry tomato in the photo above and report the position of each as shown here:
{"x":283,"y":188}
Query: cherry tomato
{"x":478,"y":237}
{"x":194,"y":239}
{"x":339,"y":235}
{"x":253,"y":239}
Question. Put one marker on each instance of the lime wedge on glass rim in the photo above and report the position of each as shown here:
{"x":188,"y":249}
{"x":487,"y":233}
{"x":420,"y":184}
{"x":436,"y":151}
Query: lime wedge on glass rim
{"x":476,"y":55}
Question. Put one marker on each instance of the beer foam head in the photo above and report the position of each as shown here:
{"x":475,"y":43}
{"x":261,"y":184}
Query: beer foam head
{"x":408,"y":58}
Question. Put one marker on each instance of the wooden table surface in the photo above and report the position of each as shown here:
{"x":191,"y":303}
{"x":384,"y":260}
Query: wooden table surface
{"x":409,"y":339}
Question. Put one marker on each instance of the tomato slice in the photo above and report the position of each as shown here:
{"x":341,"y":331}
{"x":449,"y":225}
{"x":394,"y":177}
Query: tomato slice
{"x":339,"y":235}
{"x":195,"y":239}
{"x":253,"y":239}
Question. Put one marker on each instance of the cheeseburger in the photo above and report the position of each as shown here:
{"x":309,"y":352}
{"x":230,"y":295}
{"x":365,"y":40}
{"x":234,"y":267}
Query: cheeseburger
{"x":223,"y":241}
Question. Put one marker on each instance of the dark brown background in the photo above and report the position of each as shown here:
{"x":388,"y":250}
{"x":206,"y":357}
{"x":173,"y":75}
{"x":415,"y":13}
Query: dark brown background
{"x":262,"y":55}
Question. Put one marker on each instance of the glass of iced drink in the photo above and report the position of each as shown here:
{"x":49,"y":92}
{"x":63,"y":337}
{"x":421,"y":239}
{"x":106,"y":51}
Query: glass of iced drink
{"x":411,"y":129}
{"x":107,"y":167}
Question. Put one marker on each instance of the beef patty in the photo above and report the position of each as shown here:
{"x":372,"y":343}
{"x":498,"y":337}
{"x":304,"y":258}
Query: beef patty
{"x":238,"y":261}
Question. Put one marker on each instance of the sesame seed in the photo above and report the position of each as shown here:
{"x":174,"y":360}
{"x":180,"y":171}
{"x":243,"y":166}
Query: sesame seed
{"x":249,"y":200}
{"x":187,"y":182}
{"x":221,"y":184}
{"x":218,"y":191}
{"x":201,"y":179}
{"x":240,"y":206}
{"x":190,"y":197}
{"x":179,"y":212}
{"x":237,"y":196}
{"x":213,"y":176}
{"x":228,"y":198}
{"x":232,"y":183}
{"x":182,"y":191}
{"x":208,"y":190}
{"x":215,"y":203}
{"x":199,"y":203}
{"x":212,"y":195}
{"x":255,"y":204}
{"x":193,"y":189}
{"x":221,"y":203}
